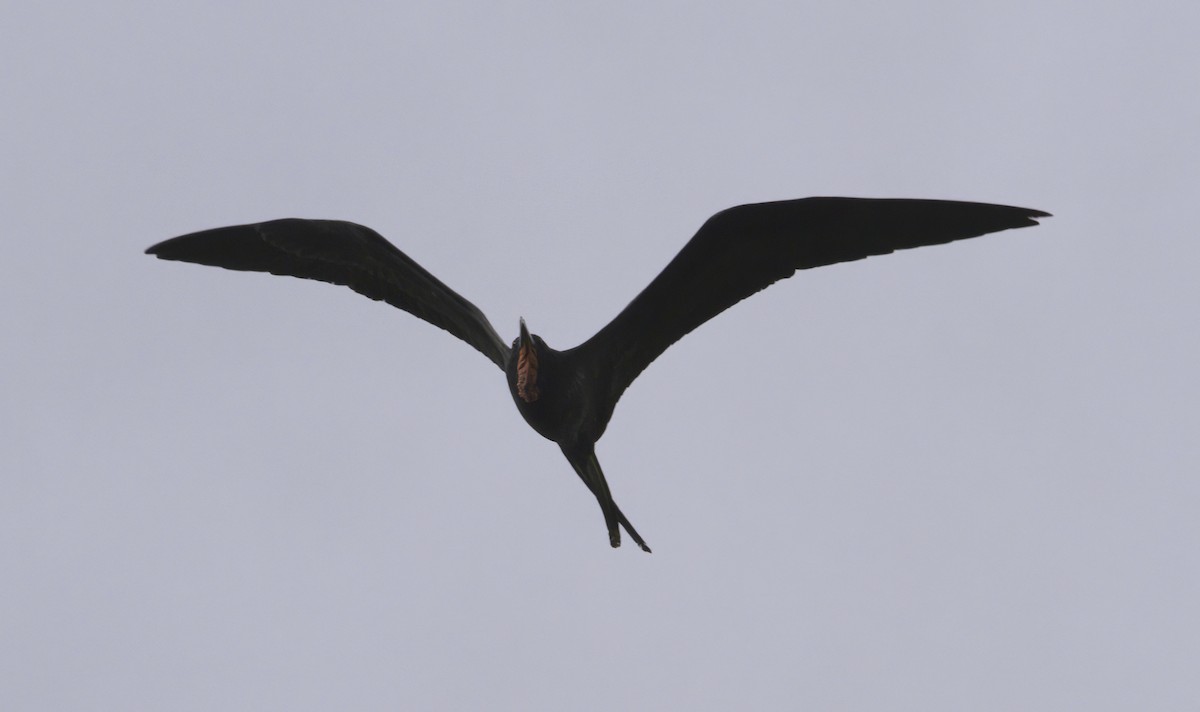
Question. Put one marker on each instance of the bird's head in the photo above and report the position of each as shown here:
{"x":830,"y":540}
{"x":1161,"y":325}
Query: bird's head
{"x":526,"y":349}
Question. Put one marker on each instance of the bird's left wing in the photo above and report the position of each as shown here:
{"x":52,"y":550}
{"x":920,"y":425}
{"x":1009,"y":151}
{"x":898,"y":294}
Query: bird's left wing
{"x":342,"y":253}
{"x":745,"y":249}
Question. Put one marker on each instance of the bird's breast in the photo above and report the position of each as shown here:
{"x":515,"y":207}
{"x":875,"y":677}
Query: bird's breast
{"x":558,"y":408}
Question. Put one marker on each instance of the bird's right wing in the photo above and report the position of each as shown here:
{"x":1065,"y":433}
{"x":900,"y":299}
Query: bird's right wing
{"x":343,"y":253}
{"x":745,"y":249}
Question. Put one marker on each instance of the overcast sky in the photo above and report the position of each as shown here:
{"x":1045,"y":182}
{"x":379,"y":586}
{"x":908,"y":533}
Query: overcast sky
{"x":964,"y":477}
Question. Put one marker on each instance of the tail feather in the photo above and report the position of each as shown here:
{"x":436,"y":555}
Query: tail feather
{"x":632,"y":532}
{"x":588,"y":468}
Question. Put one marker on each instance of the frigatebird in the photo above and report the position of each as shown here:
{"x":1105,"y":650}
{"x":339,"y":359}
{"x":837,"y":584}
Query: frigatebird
{"x":568,"y":396}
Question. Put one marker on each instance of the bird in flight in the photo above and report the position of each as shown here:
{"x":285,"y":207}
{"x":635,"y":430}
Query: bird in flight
{"x":569,"y":396}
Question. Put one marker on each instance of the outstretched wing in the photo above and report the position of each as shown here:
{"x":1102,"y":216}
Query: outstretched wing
{"x":745,"y":249}
{"x":340,"y":253}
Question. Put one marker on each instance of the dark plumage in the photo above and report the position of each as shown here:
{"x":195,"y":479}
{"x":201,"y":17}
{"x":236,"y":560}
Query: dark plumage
{"x":569,"y":396}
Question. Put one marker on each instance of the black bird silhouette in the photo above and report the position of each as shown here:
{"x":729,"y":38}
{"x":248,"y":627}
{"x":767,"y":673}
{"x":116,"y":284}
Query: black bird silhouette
{"x":569,"y":396}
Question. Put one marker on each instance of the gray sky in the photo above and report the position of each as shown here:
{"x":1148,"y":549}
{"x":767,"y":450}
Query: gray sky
{"x":957,"y":478}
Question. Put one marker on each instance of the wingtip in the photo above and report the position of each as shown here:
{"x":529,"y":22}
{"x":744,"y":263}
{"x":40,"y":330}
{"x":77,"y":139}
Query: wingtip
{"x":157,"y":248}
{"x":1026,"y":217}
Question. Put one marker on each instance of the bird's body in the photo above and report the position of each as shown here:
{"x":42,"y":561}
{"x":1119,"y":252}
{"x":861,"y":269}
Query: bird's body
{"x":569,"y":396}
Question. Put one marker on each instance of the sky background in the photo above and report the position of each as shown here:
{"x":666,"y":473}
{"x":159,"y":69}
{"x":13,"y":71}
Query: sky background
{"x":957,"y":478}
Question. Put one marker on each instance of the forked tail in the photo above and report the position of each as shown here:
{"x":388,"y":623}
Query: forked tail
{"x":588,"y":468}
